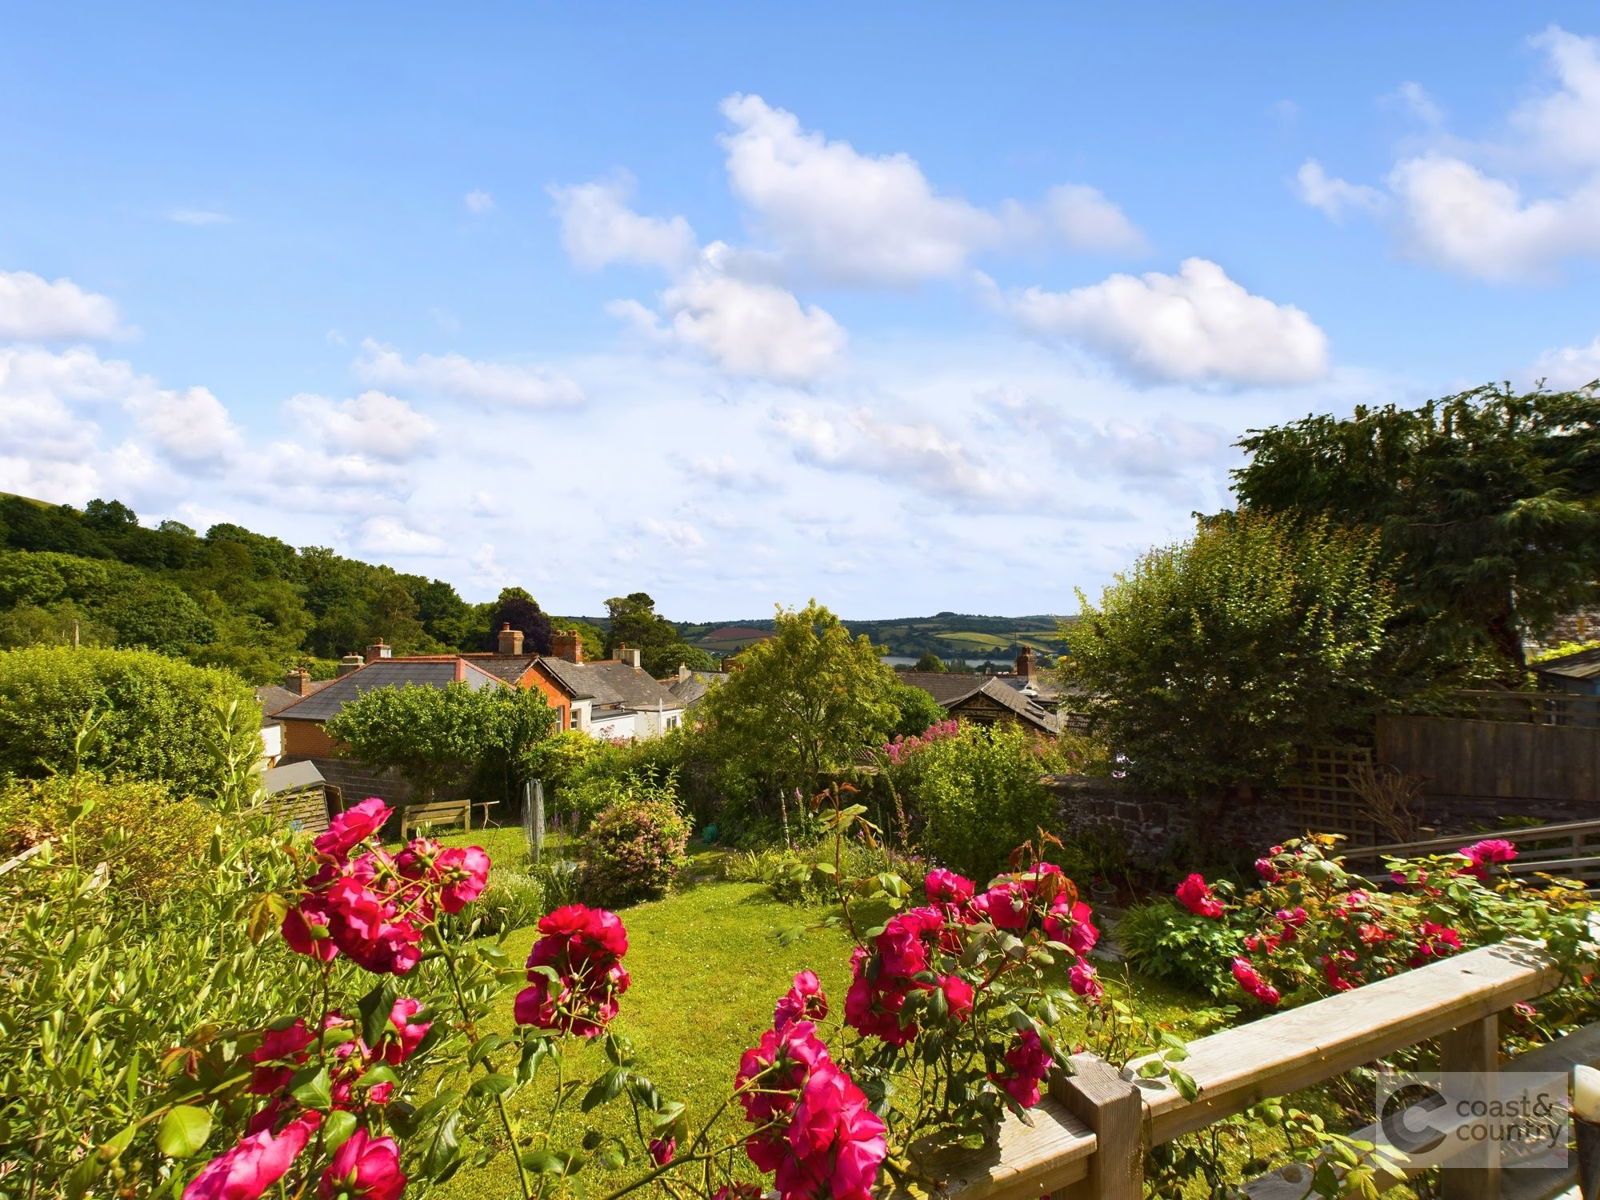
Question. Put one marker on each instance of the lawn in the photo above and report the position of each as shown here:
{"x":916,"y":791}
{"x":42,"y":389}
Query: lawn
{"x":707,"y":968}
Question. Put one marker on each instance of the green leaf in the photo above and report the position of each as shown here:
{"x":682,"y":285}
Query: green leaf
{"x":115,"y":1146}
{"x":375,"y":1008}
{"x":311,"y":1088}
{"x":380,"y":1073}
{"x":487,"y":1044}
{"x":183,"y":1131}
{"x":605,"y":1089}
{"x":492,"y":1085}
{"x":337,"y":1128}
{"x":552,"y":1162}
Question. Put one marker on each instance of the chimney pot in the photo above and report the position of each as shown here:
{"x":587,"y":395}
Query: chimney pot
{"x":566,"y":644}
{"x":1025,"y":663}
{"x":631,"y":657}
{"x":298,"y":681}
{"x":350,"y":662}
{"x":378,"y":650}
{"x":509,"y":640}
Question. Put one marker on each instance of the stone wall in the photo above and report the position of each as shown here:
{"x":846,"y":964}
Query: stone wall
{"x":1154,"y":827}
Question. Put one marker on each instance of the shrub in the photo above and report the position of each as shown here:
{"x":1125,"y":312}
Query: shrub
{"x":974,"y":797}
{"x":636,"y":847}
{"x":511,"y":901}
{"x":1164,"y":941}
{"x":157,"y":716}
{"x":111,"y":975}
{"x":791,"y":875}
{"x":151,"y":841}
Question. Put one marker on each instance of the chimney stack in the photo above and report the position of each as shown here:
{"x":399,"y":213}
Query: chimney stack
{"x":298,"y":681}
{"x":566,"y":644}
{"x":378,"y":650}
{"x":350,"y":662}
{"x":510,"y":639}
{"x":1025,"y":663}
{"x":631,"y":657}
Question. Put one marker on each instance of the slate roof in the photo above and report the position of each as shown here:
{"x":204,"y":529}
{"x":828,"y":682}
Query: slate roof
{"x":691,"y":689}
{"x":950,"y":689}
{"x":301,"y":774}
{"x":612,"y":684}
{"x":273,"y":698}
{"x":1584,"y":664}
{"x":396,"y":673}
{"x":509,"y":667}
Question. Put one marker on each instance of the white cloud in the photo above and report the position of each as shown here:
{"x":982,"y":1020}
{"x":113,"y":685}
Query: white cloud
{"x":1163,"y":453}
{"x":1509,"y":208}
{"x":1334,"y":196}
{"x":921,"y":455}
{"x":1462,"y":219}
{"x":680,"y":535}
{"x":478,"y":201}
{"x":190,"y":427}
{"x":598,"y":228}
{"x":483,"y":504}
{"x":749,"y":328}
{"x":456,"y":377}
{"x":1197,"y":326}
{"x":1415,"y":98}
{"x":1086,"y":220}
{"x":876,"y":219}
{"x":199,"y":216}
{"x":727,"y":472}
{"x":1570,"y":367}
{"x":34,"y":309}
{"x":391,"y":535}
{"x":372,"y":423}
{"x":1562,"y":126}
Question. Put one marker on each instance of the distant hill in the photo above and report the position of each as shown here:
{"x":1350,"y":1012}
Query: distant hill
{"x":951,"y":636}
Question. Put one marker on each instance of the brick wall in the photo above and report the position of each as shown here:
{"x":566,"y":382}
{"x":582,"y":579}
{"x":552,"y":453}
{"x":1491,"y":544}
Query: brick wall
{"x":305,"y":739}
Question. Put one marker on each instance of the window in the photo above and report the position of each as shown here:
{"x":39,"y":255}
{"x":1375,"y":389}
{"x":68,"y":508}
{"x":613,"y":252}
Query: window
{"x":672,"y":722}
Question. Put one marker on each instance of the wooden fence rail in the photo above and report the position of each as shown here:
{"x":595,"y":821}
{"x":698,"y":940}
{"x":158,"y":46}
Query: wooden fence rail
{"x":1088,"y":1138}
{"x":1570,"y":849}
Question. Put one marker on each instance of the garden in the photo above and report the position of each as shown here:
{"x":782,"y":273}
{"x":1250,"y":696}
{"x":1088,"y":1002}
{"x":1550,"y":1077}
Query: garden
{"x":821,"y":941}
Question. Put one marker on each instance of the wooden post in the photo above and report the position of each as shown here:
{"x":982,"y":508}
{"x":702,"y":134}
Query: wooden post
{"x":1111,"y":1106}
{"x":1473,"y":1048}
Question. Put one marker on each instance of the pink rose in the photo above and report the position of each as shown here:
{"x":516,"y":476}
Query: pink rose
{"x":463,"y":871}
{"x":946,"y":887}
{"x":1195,"y":894}
{"x":364,"y":1168}
{"x":804,"y":999}
{"x":958,"y":996}
{"x":662,"y":1150}
{"x":254,"y":1165}
{"x":402,"y":1035}
{"x":1081,"y":978}
{"x":352,"y":827}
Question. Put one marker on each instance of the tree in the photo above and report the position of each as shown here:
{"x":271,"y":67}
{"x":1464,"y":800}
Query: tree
{"x":156,"y":716}
{"x":519,"y":610}
{"x":915,"y":710}
{"x":1213,"y":660}
{"x":928,"y":662}
{"x":432,"y":736}
{"x":1486,"y":502}
{"x":801,"y":703}
{"x":635,"y":623}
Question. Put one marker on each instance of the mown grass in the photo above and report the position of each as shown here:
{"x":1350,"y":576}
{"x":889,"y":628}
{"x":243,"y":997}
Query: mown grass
{"x":707,"y":967}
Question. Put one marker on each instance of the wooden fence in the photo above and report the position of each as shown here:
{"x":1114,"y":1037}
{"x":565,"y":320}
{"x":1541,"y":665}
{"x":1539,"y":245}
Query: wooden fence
{"x":1497,"y":756}
{"x":1088,"y":1139}
{"x":1571,"y":850}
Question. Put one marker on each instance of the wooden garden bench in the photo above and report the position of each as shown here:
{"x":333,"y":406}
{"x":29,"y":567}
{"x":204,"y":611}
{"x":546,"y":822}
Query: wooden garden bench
{"x":440,"y":812}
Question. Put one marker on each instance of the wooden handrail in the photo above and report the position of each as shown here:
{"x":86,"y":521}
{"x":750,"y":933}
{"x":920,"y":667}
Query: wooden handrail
{"x":1536,"y":833}
{"x":1080,"y":1133}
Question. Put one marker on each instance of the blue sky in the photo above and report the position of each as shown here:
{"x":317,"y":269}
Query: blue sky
{"x":909,"y":307}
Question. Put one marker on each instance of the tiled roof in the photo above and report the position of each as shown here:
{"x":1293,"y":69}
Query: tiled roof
{"x":950,"y":689}
{"x":273,"y":698}
{"x":509,"y":667}
{"x":397,"y":673}
{"x":946,"y":687}
{"x":1584,"y":664}
{"x":612,"y":684}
